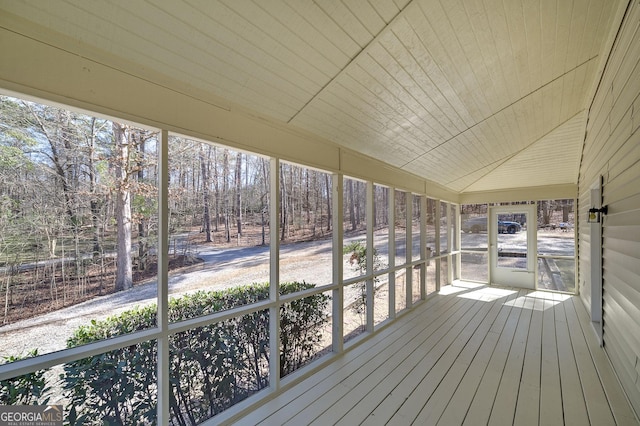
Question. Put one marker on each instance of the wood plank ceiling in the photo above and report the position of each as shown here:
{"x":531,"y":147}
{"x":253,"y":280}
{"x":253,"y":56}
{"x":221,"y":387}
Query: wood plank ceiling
{"x":474,"y":95}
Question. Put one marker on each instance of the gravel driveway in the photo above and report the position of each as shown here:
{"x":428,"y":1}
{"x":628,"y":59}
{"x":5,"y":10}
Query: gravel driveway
{"x":222,"y":268}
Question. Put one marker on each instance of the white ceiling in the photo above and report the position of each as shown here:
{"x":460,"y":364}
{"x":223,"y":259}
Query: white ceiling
{"x":475,"y":95}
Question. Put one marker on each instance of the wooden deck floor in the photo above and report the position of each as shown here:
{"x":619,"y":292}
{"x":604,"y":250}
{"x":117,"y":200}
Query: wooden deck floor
{"x":471,"y":355}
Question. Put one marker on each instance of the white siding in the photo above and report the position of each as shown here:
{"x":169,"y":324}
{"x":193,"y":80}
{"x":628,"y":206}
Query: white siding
{"x":612,"y":149}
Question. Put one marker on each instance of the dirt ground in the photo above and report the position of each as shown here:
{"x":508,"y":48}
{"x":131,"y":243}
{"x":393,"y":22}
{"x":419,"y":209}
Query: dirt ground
{"x":52,"y":285}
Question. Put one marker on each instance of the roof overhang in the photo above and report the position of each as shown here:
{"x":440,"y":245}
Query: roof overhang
{"x":464,"y":100}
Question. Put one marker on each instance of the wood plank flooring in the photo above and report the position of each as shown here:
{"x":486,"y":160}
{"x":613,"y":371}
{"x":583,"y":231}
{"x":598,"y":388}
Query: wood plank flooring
{"x":470,"y":355}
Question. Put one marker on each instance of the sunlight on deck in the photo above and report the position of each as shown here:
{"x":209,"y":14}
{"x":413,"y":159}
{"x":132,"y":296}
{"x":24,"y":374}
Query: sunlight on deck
{"x":534,"y":300}
{"x":488,"y":294}
{"x":458,"y":287}
{"x":538,"y":300}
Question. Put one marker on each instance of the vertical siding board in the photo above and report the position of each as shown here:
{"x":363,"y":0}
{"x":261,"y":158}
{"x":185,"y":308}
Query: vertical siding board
{"x":592,"y":164}
{"x":627,"y":218}
{"x":618,"y":347}
{"x":626,"y":379}
{"x":632,"y":19}
{"x":584,"y":239}
{"x":612,"y":149}
{"x":629,"y":233}
{"x":625,"y":343}
{"x":620,"y":292}
{"x":624,"y":100}
{"x":625,"y":185}
{"x":627,"y":54}
{"x":598,"y":115}
{"x":626,"y":158}
{"x":621,"y":408}
{"x":620,"y":129}
{"x":625,"y":247}
{"x":635,"y":115}
{"x":618,"y":133}
{"x":629,"y":264}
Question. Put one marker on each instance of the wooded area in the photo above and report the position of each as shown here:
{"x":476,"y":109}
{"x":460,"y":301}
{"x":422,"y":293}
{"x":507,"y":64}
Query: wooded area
{"x":73,"y":187}
{"x":78,"y":204}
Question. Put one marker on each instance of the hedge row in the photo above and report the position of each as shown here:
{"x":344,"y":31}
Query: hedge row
{"x":211,"y":367}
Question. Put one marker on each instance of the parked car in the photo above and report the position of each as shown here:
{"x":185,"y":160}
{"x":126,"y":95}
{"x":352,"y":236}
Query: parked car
{"x":507,"y":227}
{"x":475,"y":225}
{"x":479,"y":224}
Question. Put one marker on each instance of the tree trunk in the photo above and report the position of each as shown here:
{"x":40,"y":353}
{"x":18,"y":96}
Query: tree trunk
{"x":265,"y":196}
{"x":216,"y":188}
{"x":385,"y":198}
{"x":351,"y":201}
{"x":206,"y":217}
{"x":225,"y":194}
{"x":358,"y":196}
{"x":143,"y":244}
{"x":263,"y":226}
{"x":59,"y":140}
{"x":375,"y":207}
{"x":6,"y":298}
{"x":283,"y":205}
{"x":306,"y":196}
{"x":124,"y":266}
{"x":547,"y":208}
{"x":238,"y":201}
{"x":328,"y":185}
{"x":94,"y":204}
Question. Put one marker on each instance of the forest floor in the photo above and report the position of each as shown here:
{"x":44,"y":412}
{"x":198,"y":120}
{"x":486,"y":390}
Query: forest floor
{"x":54,"y":284}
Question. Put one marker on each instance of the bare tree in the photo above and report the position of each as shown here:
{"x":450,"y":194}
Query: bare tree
{"x":238,"y":190}
{"x":95,"y":199}
{"x":264,"y":197}
{"x":225,"y":192}
{"x":328,"y":192}
{"x":351,"y":201}
{"x":143,"y":225}
{"x":546,"y":209}
{"x":206,"y":216}
{"x":124,"y":265}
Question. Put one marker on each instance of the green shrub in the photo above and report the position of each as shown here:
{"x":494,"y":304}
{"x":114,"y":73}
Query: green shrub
{"x":28,"y":389}
{"x":211,"y":367}
{"x":214,"y":366}
{"x":358,"y":261}
{"x":116,"y":387}
{"x":301,"y":323}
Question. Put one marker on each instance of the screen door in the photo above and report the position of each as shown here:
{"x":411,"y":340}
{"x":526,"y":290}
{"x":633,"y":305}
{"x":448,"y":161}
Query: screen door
{"x":512,"y":240}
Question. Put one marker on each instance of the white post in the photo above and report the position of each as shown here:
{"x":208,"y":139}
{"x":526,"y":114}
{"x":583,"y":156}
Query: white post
{"x":424,"y":253}
{"x":163,"y":281}
{"x":370,"y":271}
{"x":337,"y":186}
{"x":409,"y":249}
{"x":391,"y":280}
{"x":450,"y":247}
{"x":274,"y":273}
{"x":437,"y":248}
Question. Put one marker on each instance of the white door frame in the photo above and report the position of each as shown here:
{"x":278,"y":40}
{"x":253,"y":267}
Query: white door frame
{"x":514,"y":277}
